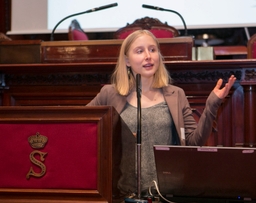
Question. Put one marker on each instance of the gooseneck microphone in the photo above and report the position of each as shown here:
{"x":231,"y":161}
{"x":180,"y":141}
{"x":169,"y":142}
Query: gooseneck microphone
{"x":138,"y":90}
{"x":163,"y":9}
{"x":76,"y":14}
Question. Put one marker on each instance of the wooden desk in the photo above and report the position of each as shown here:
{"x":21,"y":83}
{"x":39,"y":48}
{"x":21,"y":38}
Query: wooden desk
{"x":35,"y":51}
{"x":230,"y":51}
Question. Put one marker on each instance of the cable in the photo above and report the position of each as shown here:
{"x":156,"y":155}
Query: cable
{"x":158,"y":191}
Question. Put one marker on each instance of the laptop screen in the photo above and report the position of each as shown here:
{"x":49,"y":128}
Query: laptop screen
{"x":192,"y":172}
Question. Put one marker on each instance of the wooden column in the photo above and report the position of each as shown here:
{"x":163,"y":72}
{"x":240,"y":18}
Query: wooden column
{"x":249,"y":114}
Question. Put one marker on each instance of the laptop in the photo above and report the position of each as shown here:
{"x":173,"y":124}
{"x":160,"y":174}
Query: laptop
{"x":206,"y":174}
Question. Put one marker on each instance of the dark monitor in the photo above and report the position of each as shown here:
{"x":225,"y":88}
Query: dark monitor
{"x":206,"y":174}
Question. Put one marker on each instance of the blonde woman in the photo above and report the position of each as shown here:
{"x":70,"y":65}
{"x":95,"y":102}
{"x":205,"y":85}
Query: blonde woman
{"x":166,"y":114}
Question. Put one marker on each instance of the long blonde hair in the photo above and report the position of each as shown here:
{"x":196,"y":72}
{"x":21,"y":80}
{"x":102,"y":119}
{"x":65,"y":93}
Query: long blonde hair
{"x":125,"y":82}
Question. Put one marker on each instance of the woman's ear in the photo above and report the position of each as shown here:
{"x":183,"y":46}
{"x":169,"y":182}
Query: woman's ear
{"x":127,"y":61}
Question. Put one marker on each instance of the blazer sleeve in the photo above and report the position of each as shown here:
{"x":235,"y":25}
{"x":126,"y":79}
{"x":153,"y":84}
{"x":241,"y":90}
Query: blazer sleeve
{"x":200,"y":134}
{"x":101,"y":98}
{"x":109,"y":96}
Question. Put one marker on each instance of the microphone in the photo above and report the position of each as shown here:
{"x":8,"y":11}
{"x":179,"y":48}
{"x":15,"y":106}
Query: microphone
{"x":162,"y":9}
{"x":138,"y":90}
{"x":76,"y":14}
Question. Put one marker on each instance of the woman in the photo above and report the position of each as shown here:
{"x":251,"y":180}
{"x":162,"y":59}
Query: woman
{"x":166,"y":114}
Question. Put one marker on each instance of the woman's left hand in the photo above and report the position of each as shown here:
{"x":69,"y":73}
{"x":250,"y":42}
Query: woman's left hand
{"x":223,"y":92}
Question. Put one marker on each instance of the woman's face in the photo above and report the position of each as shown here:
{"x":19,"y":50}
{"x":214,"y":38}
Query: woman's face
{"x":143,"y":56}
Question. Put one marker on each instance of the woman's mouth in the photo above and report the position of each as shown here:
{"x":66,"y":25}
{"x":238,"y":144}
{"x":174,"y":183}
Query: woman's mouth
{"x":148,"y":65}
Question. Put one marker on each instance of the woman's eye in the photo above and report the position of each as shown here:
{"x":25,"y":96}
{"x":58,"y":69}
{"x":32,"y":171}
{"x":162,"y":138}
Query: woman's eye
{"x":152,"y":50}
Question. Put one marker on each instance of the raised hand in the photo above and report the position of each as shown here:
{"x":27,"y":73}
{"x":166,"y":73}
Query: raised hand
{"x":223,"y":92}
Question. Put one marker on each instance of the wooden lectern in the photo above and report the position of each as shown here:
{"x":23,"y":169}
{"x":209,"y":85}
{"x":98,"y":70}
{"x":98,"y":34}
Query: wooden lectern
{"x":61,"y":154}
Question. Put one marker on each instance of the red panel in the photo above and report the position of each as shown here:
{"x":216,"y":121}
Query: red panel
{"x":159,"y":33}
{"x":254,"y":50}
{"x":78,"y":35}
{"x":71,"y":160}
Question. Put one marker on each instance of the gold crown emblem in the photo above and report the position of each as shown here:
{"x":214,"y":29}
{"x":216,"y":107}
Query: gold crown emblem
{"x":37,"y":141}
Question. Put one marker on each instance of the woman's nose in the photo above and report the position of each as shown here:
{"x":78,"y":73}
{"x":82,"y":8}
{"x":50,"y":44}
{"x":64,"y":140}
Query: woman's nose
{"x":147,"y":55}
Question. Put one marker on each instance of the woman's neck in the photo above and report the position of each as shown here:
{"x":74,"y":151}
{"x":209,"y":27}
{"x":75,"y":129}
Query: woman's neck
{"x":146,"y":85}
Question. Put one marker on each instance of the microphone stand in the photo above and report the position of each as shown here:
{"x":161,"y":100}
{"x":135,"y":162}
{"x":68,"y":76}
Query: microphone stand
{"x":76,"y":14}
{"x":138,"y":89}
{"x":163,"y":9}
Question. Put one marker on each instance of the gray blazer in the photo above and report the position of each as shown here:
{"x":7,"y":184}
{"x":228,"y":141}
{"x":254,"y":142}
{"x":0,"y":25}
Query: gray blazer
{"x":188,"y":130}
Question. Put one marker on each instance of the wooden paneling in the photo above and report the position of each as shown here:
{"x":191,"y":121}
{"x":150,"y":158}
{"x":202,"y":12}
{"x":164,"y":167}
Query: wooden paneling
{"x":67,"y":84}
{"x":72,"y":73}
{"x":49,"y":95}
{"x":20,"y":51}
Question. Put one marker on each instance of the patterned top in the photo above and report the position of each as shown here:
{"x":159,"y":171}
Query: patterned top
{"x":156,"y":129}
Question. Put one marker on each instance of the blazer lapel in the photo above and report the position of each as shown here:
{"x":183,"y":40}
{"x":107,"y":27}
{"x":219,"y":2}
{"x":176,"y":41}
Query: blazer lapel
{"x":171,"y":97}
